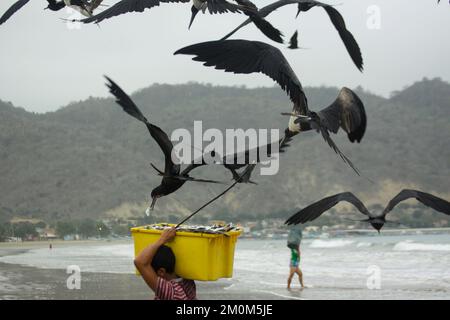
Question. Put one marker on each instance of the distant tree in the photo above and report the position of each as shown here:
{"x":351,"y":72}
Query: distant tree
{"x":121,"y":230}
{"x":65,"y":228}
{"x":87,"y":228}
{"x":24,"y":230}
{"x":4,"y":232}
{"x":417,"y":214}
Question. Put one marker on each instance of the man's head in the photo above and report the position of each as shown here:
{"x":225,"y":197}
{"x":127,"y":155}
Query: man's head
{"x":164,"y":263}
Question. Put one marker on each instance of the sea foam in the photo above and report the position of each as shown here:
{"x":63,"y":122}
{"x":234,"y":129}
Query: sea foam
{"x":413,"y":246}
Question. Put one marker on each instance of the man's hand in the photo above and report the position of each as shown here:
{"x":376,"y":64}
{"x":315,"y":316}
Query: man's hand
{"x":167,"y":235}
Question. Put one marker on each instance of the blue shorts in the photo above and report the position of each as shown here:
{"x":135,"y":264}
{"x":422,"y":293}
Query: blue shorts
{"x":294,"y":264}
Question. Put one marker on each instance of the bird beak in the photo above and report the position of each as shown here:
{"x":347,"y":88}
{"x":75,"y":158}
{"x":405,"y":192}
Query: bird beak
{"x":152,"y":206}
{"x":194,"y":13}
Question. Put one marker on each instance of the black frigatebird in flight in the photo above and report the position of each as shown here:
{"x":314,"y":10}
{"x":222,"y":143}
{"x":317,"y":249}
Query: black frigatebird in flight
{"x":245,"y":57}
{"x":172,"y":176}
{"x":213,"y":6}
{"x":83,"y":6}
{"x":377,"y":221}
{"x":251,"y":157}
{"x":334,"y":15}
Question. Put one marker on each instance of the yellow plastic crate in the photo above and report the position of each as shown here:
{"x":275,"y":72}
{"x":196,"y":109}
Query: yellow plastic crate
{"x":199,"y":256}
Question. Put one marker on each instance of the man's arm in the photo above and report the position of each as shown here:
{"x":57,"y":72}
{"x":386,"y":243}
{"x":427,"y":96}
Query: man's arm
{"x":144,"y":260}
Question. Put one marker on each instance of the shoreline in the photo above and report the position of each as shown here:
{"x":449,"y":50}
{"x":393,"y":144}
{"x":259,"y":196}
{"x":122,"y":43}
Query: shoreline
{"x":21,"y":282}
{"x":327,"y":275}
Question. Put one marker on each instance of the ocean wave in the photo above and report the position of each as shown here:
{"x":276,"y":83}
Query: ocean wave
{"x":409,"y":245}
{"x":330,"y":243}
{"x":104,"y":259}
{"x":364,"y":244}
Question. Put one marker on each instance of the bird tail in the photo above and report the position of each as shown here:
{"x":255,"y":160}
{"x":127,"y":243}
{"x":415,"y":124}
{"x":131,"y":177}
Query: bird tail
{"x":327,"y":137}
{"x":265,"y":27}
{"x":246,"y":22}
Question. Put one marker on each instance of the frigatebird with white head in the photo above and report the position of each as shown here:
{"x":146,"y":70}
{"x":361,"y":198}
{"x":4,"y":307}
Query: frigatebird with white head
{"x":83,"y":6}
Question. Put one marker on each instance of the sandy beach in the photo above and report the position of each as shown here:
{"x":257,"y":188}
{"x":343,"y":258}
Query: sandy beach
{"x":23,"y":282}
{"x":408,"y":266}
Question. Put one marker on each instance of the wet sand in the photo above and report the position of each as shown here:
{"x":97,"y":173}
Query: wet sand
{"x":412,"y":268}
{"x":23,"y":282}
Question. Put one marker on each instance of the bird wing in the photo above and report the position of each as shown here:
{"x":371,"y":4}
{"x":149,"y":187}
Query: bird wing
{"x":427,"y":199}
{"x":251,"y":10}
{"x":338,"y":21}
{"x":263,"y":12}
{"x":126,"y":6}
{"x":13,"y":9}
{"x":244,"y":155}
{"x":157,"y":133}
{"x":347,"y":112}
{"x":316,"y":209}
{"x":242,"y":159}
{"x":245,"y":57}
{"x":185,"y":178}
{"x":266,"y":28}
{"x":248,"y":174}
{"x":334,"y":15}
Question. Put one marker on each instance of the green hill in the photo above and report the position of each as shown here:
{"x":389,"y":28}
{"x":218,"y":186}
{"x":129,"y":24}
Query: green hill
{"x":90,"y":159}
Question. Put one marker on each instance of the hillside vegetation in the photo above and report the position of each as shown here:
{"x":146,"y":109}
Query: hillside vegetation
{"x":90,"y":159}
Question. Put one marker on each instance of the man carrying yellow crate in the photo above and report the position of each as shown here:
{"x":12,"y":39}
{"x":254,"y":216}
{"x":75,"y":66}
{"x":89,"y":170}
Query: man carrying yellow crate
{"x":156,"y":263}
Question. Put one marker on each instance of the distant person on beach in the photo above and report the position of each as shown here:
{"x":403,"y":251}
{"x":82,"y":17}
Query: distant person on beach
{"x":293,"y":243}
{"x":156,"y":263}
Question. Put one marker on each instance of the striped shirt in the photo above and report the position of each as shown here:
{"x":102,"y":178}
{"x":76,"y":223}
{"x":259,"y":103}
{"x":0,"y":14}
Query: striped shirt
{"x":177,"y":289}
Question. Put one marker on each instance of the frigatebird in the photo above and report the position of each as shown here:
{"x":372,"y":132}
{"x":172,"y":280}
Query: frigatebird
{"x":172,"y":176}
{"x":377,"y":221}
{"x":245,"y":57}
{"x":213,"y":6}
{"x":334,"y":15}
{"x":83,"y":6}
{"x":247,"y":158}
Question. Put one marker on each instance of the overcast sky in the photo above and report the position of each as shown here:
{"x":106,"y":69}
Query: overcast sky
{"x":45,"y":65}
